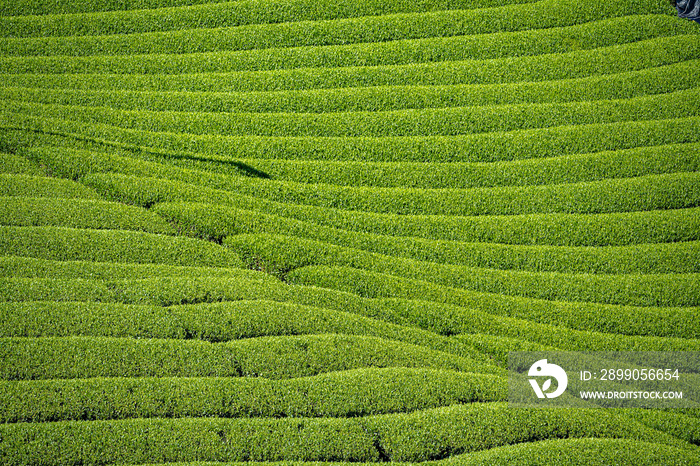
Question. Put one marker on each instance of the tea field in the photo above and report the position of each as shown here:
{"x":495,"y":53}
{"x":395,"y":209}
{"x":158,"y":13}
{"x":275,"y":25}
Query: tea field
{"x":311,"y":231}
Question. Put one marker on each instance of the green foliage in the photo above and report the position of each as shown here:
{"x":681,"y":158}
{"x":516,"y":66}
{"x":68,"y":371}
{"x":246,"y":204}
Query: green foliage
{"x":27,"y":211}
{"x":381,"y":28}
{"x":209,"y":322}
{"x":657,"y":80}
{"x":498,"y":347}
{"x":583,"y":451}
{"x":279,"y":254}
{"x":19,"y":289}
{"x":435,"y":434}
{"x":160,"y":291}
{"x":276,"y":357}
{"x":218,"y":14}
{"x":43,"y":7}
{"x":305,"y":231}
{"x":358,"y":392}
{"x":670,"y":190}
{"x":613,"y":229}
{"x":41,"y":186}
{"x":575,"y":64}
{"x":30,"y":267}
{"x":588,"y":316}
{"x":481,"y":147}
{"x":425,"y":435}
{"x":677,"y":424}
{"x":574,"y":451}
{"x":543,"y":322}
{"x":10,"y":163}
{"x":625,"y":163}
{"x":66,"y":244}
{"x":413,"y":122}
{"x":497,"y":45}
{"x":212,"y":221}
{"x":140,"y":441}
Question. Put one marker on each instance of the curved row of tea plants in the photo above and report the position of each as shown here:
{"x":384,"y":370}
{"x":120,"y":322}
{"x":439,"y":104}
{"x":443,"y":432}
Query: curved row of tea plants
{"x":602,"y":61}
{"x":218,"y":14}
{"x":657,"y":80}
{"x":412,"y":122}
{"x":385,"y":437}
{"x":380,"y":28}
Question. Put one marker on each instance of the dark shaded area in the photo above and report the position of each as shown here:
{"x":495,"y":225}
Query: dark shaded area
{"x":23,"y":138}
{"x":240,"y":167}
{"x":383,"y":455}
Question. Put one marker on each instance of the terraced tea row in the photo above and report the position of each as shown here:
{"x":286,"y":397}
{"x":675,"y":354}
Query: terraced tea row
{"x":576,"y":451}
{"x":219,"y":14}
{"x":14,"y":164}
{"x":667,"y":191}
{"x":40,"y":7}
{"x":674,"y":257}
{"x":41,"y":186}
{"x":586,"y":316}
{"x":234,"y":321}
{"x":280,"y":254}
{"x":199,"y":169}
{"x":423,"y":122}
{"x":625,"y":163}
{"x":31,"y":267}
{"x":380,"y":28}
{"x":59,"y":243}
{"x":446,"y":311}
{"x":670,"y":191}
{"x":484,"y":147}
{"x":602,"y":61}
{"x":373,"y":438}
{"x":553,"y":229}
{"x":269,"y":357}
{"x":667,"y":258}
{"x":625,"y":85}
{"x":359,"y":392}
{"x":197,"y":217}
{"x":500,"y":45}
{"x":27,"y":211}
{"x":561,"y":229}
